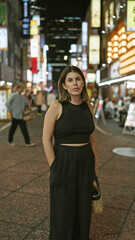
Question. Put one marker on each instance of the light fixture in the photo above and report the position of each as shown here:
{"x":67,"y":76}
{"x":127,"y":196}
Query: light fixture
{"x":103,"y":31}
{"x":108,"y":82}
{"x":65,"y":57}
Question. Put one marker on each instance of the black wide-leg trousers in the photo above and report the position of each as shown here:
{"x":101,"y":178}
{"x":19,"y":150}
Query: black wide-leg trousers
{"x":71,"y":179}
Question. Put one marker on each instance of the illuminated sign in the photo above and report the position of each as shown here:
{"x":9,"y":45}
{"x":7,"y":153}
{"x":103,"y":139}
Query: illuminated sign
{"x":91,"y":77}
{"x":94,"y":49}
{"x":130,"y":15}
{"x":34,"y":48}
{"x":26,"y":18}
{"x":33,"y":27}
{"x":37,"y":18}
{"x":96,"y":13}
{"x":84,"y":33}
{"x":3,"y":108}
{"x":3,"y":39}
{"x":34,"y":65}
{"x":3,"y":17}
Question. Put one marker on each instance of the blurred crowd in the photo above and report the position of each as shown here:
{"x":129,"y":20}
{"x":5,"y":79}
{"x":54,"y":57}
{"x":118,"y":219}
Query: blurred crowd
{"x":117,"y":109}
{"x":40,"y":101}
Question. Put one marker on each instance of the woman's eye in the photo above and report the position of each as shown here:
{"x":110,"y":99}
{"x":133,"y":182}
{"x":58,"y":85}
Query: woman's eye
{"x":69,"y":80}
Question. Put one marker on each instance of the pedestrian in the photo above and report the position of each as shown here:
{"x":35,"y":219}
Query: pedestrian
{"x":28,"y":97}
{"x":40,"y":99}
{"x":16,"y":105}
{"x":50,"y":98}
{"x":72,"y":159}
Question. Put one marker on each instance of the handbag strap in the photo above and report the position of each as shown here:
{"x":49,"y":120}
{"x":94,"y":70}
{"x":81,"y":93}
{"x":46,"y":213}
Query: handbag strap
{"x":96,"y":196}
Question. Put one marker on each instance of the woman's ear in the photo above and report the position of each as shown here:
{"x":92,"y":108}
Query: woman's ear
{"x":63,"y":85}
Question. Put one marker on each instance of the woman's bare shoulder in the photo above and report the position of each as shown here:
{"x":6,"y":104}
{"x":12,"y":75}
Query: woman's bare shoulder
{"x":55,"y":105}
{"x":55,"y":109}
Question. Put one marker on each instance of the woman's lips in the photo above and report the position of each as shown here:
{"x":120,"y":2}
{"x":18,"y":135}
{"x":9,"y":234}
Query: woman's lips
{"x":75,"y":89}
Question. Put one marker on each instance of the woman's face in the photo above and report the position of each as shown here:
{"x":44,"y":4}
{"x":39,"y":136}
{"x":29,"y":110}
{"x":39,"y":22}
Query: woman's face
{"x":73,"y":84}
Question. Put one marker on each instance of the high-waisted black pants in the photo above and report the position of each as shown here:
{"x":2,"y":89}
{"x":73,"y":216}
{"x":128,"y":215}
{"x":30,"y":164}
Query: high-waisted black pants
{"x":71,"y":179}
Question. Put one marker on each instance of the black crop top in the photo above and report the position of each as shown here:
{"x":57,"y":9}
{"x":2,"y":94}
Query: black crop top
{"x":74,"y":125}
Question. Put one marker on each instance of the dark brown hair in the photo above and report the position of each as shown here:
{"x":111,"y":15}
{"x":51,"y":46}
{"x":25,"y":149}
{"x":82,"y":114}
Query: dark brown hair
{"x":63,"y":94}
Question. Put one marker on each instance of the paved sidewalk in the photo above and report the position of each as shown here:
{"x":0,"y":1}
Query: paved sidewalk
{"x":24,"y":187}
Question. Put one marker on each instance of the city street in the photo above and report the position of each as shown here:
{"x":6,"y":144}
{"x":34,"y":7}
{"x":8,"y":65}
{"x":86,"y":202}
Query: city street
{"x":24,"y":186}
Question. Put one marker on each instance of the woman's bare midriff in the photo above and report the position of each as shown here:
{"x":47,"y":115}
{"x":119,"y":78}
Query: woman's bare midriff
{"x":75,"y":145}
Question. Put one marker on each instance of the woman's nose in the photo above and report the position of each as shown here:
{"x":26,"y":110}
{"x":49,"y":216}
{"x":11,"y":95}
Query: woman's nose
{"x":75,"y":82}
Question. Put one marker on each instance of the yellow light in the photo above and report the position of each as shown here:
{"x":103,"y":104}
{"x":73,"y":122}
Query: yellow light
{"x":127,"y":54}
{"x":115,"y":43}
{"x":109,"y":54}
{"x":115,"y":55}
{"x":124,"y":36}
{"x":127,"y":62}
{"x":109,"y":60}
{"x":115,"y":37}
{"x":122,"y":44}
{"x":115,"y":49}
{"x":128,"y":69}
{"x":109,"y":43}
{"x":123,"y":29}
{"x":131,"y":36}
{"x":109,"y":49}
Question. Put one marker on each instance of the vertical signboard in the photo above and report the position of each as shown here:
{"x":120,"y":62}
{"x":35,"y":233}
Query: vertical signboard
{"x":3,"y":39}
{"x":94,"y":49}
{"x":34,"y":65}
{"x":3,"y":15}
{"x":3,"y":108}
{"x":95,"y":13}
{"x":26,"y":18}
{"x":130,"y":16}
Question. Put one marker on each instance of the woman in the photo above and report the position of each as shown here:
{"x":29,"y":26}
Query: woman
{"x":72,"y":160}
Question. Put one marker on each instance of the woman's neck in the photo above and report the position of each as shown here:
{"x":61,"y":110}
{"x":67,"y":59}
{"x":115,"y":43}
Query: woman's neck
{"x":76,"y":100}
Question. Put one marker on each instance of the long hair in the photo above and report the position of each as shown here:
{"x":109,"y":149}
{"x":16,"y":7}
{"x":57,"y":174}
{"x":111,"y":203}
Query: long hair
{"x":63,"y":94}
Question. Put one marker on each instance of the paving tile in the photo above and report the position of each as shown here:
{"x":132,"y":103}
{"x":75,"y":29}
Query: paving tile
{"x":121,"y":164}
{"x":38,"y":234}
{"x":39,"y":186}
{"x":4,"y":193}
{"x":6,"y":163}
{"x":133,"y":206}
{"x":117,"y":196}
{"x":127,"y":236}
{"x":31,"y":166}
{"x":13,"y":180}
{"x":10,"y":231}
{"x":129,"y":223}
{"x":107,"y":223}
{"x":24,"y":209}
{"x":114,"y":177}
{"x":104,"y":237}
{"x":41,"y":232}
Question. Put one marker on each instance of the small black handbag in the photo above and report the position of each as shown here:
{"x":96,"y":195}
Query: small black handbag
{"x":97,"y":203}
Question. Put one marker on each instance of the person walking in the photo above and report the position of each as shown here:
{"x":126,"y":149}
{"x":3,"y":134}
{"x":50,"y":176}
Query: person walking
{"x":40,"y":99}
{"x":72,"y":159}
{"x":16,"y":105}
{"x":50,"y":98}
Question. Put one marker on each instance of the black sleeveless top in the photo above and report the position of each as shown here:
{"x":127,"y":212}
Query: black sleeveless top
{"x":74,"y":125}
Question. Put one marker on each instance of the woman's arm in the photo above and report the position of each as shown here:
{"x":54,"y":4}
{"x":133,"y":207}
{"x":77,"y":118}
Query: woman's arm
{"x":94,"y":142}
{"x":48,"y":130}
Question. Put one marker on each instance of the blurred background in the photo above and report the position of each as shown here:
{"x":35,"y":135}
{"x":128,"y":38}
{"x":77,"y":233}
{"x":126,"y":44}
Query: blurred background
{"x":38,"y":38}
